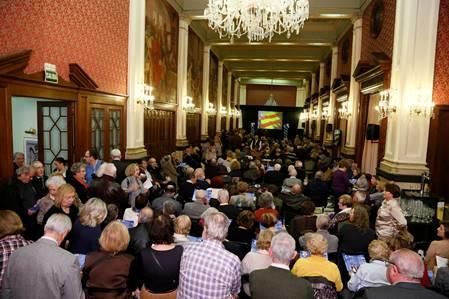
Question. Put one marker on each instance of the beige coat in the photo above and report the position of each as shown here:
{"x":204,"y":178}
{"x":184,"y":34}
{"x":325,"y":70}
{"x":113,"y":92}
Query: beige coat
{"x":389,"y":219}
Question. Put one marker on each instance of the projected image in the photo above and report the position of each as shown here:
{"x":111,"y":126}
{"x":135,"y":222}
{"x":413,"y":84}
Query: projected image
{"x":270,"y":120}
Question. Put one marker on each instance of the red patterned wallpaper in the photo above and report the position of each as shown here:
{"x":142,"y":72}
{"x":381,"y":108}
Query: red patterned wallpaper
{"x":383,"y":42}
{"x":92,"y":33}
{"x":441,"y":78}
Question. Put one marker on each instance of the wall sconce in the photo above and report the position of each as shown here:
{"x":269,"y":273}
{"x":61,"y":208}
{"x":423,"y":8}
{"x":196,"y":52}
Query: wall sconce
{"x":385,"y":107}
{"x":145,"y":96}
{"x":223,"y":110}
{"x":314,"y":114}
{"x":211,"y":109}
{"x":231,"y":112}
{"x":344,"y":112}
{"x":237,"y":113}
{"x":421,"y":106}
{"x":304,"y":116}
{"x":189,"y":106}
{"x":325,"y":113}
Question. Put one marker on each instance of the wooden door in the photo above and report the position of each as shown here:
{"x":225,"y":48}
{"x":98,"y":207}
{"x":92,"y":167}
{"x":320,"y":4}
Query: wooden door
{"x":159,"y":132}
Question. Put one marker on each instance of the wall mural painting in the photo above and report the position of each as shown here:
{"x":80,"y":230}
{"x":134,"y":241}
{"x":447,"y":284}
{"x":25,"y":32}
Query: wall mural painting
{"x":213,"y":79}
{"x":195,"y":69}
{"x":161,"y":49}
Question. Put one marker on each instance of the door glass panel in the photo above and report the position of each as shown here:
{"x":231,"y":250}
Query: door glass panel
{"x":97,"y":134}
{"x":114,"y":129}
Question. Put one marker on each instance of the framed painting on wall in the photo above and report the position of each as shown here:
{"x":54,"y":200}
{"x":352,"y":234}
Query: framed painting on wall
{"x":30,"y":149}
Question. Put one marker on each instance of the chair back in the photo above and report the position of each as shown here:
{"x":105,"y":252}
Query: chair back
{"x":146,"y":294}
{"x":322,"y":288}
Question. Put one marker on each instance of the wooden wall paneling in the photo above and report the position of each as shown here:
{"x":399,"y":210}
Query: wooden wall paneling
{"x":223,"y":123}
{"x":193,"y":128}
{"x":438,"y":147}
{"x":322,"y":130}
{"x":82,"y":125}
{"x":212,"y":125}
{"x":361,"y":128}
{"x":159,"y":132}
{"x":382,"y":140}
{"x":6,"y":167}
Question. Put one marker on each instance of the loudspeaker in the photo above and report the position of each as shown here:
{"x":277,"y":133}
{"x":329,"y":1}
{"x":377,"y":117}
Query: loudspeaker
{"x":329,"y":128}
{"x":372,"y":132}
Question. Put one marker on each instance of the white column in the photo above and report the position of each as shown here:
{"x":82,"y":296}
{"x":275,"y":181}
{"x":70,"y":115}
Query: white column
{"x":228,"y":101}
{"x":183,"y":39}
{"x":332,"y":96}
{"x":242,"y":101}
{"x":219,"y":95}
{"x":411,"y":77}
{"x":320,"y":101}
{"x":313,"y":89}
{"x":236,"y":99}
{"x":205,"y":104}
{"x":354,"y":89}
{"x":307,"y":87}
{"x":300,"y":99}
{"x":136,"y":56}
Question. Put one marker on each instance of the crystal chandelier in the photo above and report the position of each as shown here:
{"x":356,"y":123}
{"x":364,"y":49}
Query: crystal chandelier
{"x":314,"y":114}
{"x":344,"y":112}
{"x":211,"y":109}
{"x":325,"y":113}
{"x":223,"y":110}
{"x":237,"y":113}
{"x":421,"y":106}
{"x":304,"y":116}
{"x":385,"y":107}
{"x":189,"y":106}
{"x":145,"y":96}
{"x":258,"y":19}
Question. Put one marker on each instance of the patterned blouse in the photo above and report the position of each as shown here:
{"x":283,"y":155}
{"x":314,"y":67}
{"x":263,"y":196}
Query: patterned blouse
{"x":7,"y":246}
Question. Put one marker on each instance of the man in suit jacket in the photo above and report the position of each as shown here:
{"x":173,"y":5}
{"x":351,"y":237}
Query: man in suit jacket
{"x":196,"y":208}
{"x":277,"y":281}
{"x":116,"y":157}
{"x":405,"y":271}
{"x":43,"y":269}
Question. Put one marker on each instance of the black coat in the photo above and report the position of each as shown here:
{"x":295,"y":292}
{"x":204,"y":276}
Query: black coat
{"x":401,"y":290}
{"x":108,"y":190}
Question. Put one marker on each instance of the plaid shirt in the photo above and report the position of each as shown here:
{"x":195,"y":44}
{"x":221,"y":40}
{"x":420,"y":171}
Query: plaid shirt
{"x":208,"y":271}
{"x":7,"y":246}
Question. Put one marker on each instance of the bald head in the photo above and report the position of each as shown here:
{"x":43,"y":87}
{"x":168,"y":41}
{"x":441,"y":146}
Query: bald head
{"x":405,"y":266}
{"x":146,"y":215}
{"x":200,"y":196}
{"x":296,"y":189}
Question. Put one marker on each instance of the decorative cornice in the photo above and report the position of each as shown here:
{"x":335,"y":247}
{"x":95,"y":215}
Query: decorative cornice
{"x":14,"y":62}
{"x":78,"y":76}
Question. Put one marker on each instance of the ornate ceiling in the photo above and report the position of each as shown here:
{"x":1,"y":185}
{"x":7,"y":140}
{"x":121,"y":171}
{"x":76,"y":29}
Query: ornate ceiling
{"x":285,"y":61}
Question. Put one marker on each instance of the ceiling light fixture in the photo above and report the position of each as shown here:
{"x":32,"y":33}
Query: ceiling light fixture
{"x":258,"y":19}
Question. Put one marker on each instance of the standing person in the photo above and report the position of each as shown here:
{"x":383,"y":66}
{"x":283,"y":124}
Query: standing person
{"x":93,"y":163}
{"x":19,"y":160}
{"x":390,"y":218}
{"x":77,"y":179}
{"x":46,"y":202}
{"x":277,"y":281}
{"x":132,"y":185}
{"x":60,"y":166}
{"x":39,"y":179}
{"x":116,"y":157}
{"x":210,"y":259}
{"x":340,"y":180}
{"x":64,"y":204}
{"x":43,"y":269}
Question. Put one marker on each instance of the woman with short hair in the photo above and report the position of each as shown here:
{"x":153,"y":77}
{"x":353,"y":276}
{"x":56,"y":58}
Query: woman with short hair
{"x":106,"y":271}
{"x":87,"y":229}
{"x":356,"y":235}
{"x":64,"y":203}
{"x":157,"y":267}
{"x":46,"y":202}
{"x":11,"y":229}
{"x":77,"y":179}
{"x":390,"y":218}
{"x":183,"y":224}
{"x":132,"y":184}
{"x":316,"y":265}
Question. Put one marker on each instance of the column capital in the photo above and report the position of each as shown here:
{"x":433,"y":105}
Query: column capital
{"x":184,"y":19}
{"x":334,"y":50}
{"x":322,"y":65}
{"x":206,"y":48}
{"x":357,"y":22}
{"x":220,"y":63}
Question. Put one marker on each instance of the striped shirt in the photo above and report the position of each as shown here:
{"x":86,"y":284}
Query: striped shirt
{"x":208,"y":271}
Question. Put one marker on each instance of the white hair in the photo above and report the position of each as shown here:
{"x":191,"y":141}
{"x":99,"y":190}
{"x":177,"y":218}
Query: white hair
{"x":216,"y":226}
{"x":115,"y":153}
{"x":58,"y":223}
{"x":408,"y":263}
{"x":200,"y":195}
{"x":292,"y":172}
{"x":290,"y":167}
{"x":107,"y":169}
{"x":282,"y":247}
{"x":36,"y":164}
{"x":277,"y":166}
{"x":223,"y":195}
{"x":322,"y":222}
{"x":55,"y":180}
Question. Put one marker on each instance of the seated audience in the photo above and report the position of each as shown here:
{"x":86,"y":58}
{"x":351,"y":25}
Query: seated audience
{"x":209,"y":259}
{"x":87,"y":229}
{"x":106,"y":271}
{"x":345,"y":206}
{"x":317,"y":265}
{"x":244,"y":230}
{"x":438,"y":248}
{"x":187,"y":188}
{"x":196,"y":208}
{"x":200,"y":178}
{"x":259,"y":259}
{"x":390,"y":217}
{"x":169,"y":195}
{"x":275,"y":176}
{"x":43,"y":269}
{"x":374,"y":273}
{"x":252,"y":174}
{"x":169,"y":210}
{"x":405,"y":269}
{"x":290,"y":181}
{"x":277,"y":281}
{"x":318,"y":190}
{"x":77,"y":179}
{"x":293,"y":202}
{"x":322,"y":226}
{"x":140,"y":235}
{"x":132,"y":214}
{"x":266,"y":205}
{"x":11,"y":229}
{"x":156,"y":268}
{"x":356,"y":235}
{"x":243,"y":200}
{"x":182,"y":230}
{"x":229,"y":210}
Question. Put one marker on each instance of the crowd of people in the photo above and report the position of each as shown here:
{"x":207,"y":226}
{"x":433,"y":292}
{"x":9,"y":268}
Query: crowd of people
{"x":241,"y":216}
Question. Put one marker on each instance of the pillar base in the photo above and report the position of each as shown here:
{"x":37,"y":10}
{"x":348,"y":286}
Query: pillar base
{"x":182,"y":144}
{"x":133,"y":153}
{"x":348,"y":152}
{"x":406,"y":175}
{"x":204,"y":137}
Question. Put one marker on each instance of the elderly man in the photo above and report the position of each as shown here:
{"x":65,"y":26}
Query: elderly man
{"x":38,"y":180}
{"x":405,"y":271}
{"x":120,"y":165}
{"x":43,"y":269}
{"x":19,"y":160}
{"x":93,"y":164}
{"x":200,"y":177}
{"x":293,"y":202}
{"x":196,"y":208}
{"x":140,"y":235}
{"x":275,"y":176}
{"x":230,"y":211}
{"x":168,"y":196}
{"x":291,"y":180}
{"x":277,"y":281}
{"x":208,"y":270}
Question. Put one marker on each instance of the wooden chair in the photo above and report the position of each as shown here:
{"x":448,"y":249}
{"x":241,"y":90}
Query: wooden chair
{"x":145,"y":294}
